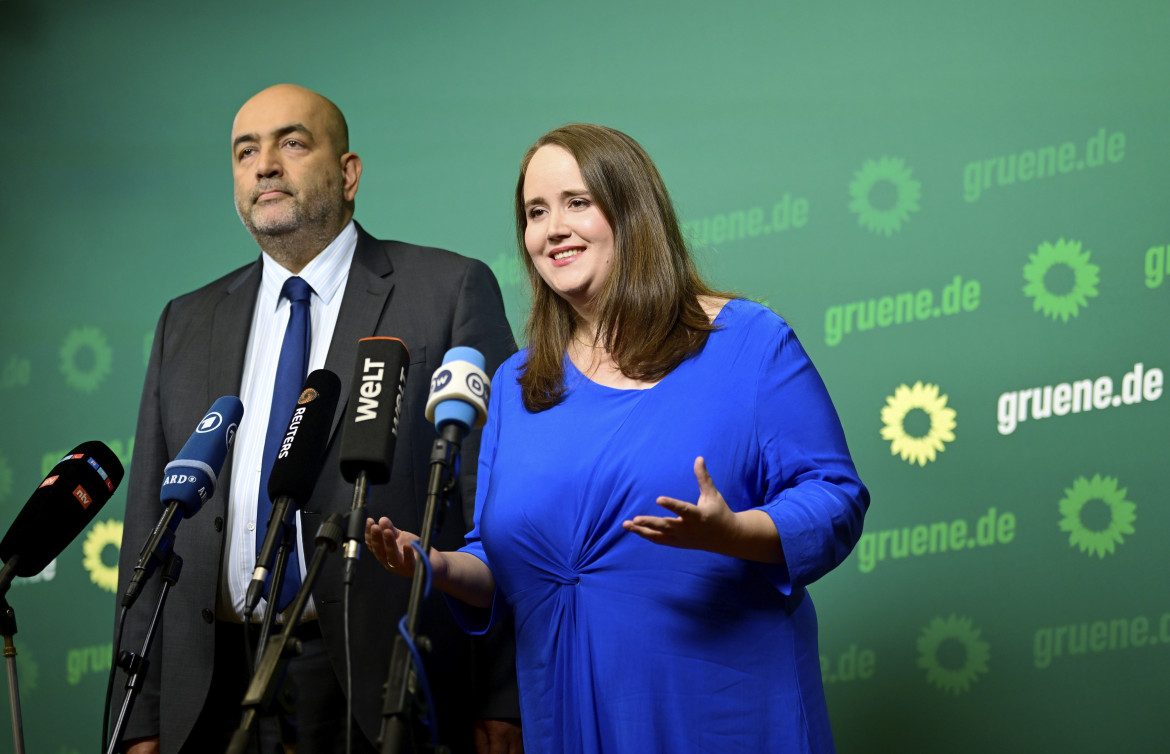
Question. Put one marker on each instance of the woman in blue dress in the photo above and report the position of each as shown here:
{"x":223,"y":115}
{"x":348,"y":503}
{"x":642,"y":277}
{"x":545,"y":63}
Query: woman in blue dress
{"x":661,"y":475}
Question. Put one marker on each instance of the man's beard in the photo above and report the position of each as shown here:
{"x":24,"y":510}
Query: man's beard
{"x":304,"y":225}
{"x":316,"y":209}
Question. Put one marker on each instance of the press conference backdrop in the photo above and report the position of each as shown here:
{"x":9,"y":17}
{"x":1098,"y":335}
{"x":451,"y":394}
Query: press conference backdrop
{"x":961,"y":208}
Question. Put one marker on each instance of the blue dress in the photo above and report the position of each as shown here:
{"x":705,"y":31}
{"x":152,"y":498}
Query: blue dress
{"x":623,"y":645}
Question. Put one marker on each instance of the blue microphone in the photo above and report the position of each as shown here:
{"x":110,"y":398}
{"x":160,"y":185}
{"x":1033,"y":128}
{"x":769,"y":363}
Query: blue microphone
{"x":459,"y":392}
{"x":188,"y":482}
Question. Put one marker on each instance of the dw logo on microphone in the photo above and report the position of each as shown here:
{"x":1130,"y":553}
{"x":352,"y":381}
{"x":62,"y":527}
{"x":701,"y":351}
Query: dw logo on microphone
{"x":441,"y":379}
{"x":476,"y":386}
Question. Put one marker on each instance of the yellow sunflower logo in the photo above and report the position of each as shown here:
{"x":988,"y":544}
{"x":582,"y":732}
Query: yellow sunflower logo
{"x":925,"y":398}
{"x":86,"y":378}
{"x":938,"y":649}
{"x":104,"y":534}
{"x":1096,"y":491}
{"x":880,"y":177}
{"x":1047,"y":264}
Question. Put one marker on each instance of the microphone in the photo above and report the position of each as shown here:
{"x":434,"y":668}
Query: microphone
{"x":457,"y":402}
{"x":188,"y":482}
{"x":63,"y":504}
{"x":371,"y":429}
{"x":295,"y":470}
{"x":375,"y":404}
{"x":459,"y":393}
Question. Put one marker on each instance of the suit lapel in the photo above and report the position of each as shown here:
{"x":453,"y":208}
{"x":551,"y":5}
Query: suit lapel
{"x":367,"y":292}
{"x":231,"y":325}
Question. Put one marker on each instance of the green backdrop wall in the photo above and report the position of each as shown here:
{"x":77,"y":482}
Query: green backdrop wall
{"x":961,"y":208}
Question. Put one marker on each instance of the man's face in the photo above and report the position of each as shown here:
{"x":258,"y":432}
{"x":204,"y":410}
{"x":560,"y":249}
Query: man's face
{"x":287,"y":167}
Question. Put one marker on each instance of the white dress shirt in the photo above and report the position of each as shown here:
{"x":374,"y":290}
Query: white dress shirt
{"x":327,"y":275}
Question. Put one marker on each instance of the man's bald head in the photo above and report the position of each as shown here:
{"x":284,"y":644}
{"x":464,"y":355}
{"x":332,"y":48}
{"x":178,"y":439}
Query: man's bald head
{"x":290,"y":97}
{"x":295,"y":178}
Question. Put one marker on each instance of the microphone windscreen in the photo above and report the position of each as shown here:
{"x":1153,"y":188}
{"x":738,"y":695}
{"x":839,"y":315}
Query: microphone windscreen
{"x":190,"y":479}
{"x":298,"y":460}
{"x":459,"y":390}
{"x":375,"y":403}
{"x":62,"y":505}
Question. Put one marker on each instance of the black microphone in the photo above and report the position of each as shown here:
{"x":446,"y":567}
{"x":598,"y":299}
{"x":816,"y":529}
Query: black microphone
{"x":375,"y":404}
{"x":63,"y":504}
{"x":295,"y":470}
{"x":188,"y":482}
{"x":370,"y":431}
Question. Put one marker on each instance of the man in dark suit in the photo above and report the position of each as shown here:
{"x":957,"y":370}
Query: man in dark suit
{"x":295,"y":183}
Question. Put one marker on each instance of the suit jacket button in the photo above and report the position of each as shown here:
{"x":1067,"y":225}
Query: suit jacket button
{"x":218,"y":523}
{"x":208,"y":616}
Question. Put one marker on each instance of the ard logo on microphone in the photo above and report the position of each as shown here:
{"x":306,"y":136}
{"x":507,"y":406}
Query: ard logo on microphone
{"x":209,"y":423}
{"x":173,"y":479}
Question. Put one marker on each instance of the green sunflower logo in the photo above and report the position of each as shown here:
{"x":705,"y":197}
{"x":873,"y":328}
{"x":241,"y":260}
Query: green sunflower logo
{"x":884,"y":193}
{"x":939,"y":648}
{"x":924,"y":447}
{"x":507,"y":270}
{"x":1096,"y":492}
{"x":101,"y":358}
{"x":104,"y":534}
{"x":1063,"y":267}
{"x":17,"y":373}
{"x":5,"y":478}
{"x":28,"y":671}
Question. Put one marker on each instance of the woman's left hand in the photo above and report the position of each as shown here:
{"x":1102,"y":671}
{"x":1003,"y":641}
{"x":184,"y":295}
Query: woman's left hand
{"x":711,"y":525}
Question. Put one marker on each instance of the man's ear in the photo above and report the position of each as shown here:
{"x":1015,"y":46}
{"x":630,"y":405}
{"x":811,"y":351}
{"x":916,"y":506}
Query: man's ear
{"x":351,"y":171}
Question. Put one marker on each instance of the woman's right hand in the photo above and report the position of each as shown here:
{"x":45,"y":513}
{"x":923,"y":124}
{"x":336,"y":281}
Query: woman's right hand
{"x":459,"y":574}
{"x":392,"y":547}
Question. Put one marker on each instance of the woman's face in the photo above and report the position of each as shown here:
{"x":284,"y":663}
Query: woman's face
{"x":567,"y":236}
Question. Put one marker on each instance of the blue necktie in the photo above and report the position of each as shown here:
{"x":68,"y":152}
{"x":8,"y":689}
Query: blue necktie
{"x":290,"y":378}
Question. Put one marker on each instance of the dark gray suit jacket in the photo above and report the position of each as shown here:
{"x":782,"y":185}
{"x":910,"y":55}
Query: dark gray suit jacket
{"x":432,"y":300}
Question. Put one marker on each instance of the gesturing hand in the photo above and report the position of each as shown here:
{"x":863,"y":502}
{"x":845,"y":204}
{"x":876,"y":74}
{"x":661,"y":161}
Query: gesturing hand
{"x":391,"y":546}
{"x":711,"y":525}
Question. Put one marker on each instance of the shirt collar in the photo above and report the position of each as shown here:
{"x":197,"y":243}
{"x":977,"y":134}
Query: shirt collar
{"x":325,"y":273}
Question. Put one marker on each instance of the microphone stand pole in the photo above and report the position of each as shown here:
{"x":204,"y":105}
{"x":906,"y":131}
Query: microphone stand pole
{"x":276,"y":581}
{"x":400,"y":704}
{"x":8,"y":629}
{"x":262,"y":690}
{"x":135,"y":665}
{"x":355,"y":526}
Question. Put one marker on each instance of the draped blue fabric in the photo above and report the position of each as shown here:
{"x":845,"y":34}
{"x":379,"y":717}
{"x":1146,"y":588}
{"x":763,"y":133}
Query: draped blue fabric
{"x":624,"y":645}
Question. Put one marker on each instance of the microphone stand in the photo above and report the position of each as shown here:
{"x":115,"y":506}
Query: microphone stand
{"x":262,"y":690}
{"x":355,"y":526}
{"x":274,"y":585}
{"x":8,"y":629}
{"x":400,"y":704}
{"x":135,"y":665}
